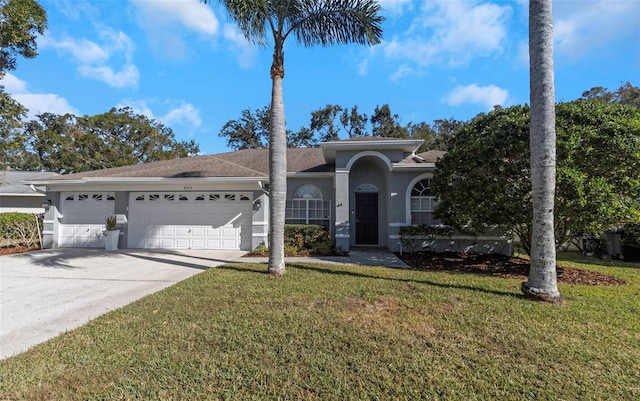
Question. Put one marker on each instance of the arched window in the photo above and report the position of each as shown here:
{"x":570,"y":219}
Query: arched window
{"x":307,"y":207}
{"x":307,"y":191}
{"x":423,"y":203}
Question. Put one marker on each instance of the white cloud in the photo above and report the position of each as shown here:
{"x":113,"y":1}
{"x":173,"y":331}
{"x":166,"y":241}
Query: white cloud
{"x":165,"y":22}
{"x":402,"y":72}
{"x":451,"y":33}
{"x":13,"y":84}
{"x":37,"y":103}
{"x":82,"y":50}
{"x":579,"y":30}
{"x":128,"y":76}
{"x":245,"y":51}
{"x":186,"y":114}
{"x":487,"y":96}
{"x":94,"y":59}
{"x":184,"y":118}
{"x":396,"y":7}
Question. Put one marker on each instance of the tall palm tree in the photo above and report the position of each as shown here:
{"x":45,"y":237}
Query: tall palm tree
{"x":312,"y":22}
{"x":542,"y":282}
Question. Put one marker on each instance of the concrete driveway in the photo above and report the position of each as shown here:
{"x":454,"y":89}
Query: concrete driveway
{"x":45,"y":293}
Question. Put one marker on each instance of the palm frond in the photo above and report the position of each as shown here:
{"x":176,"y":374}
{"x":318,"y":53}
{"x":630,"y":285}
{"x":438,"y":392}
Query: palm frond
{"x":251,"y":17}
{"x":327,"y":22}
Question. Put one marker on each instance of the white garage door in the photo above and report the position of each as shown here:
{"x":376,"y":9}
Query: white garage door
{"x":190,"y":220}
{"x":83,"y":217}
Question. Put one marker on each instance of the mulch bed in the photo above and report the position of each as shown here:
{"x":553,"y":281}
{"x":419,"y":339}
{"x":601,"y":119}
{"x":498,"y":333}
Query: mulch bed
{"x":501,"y":266}
{"x":16,"y":249}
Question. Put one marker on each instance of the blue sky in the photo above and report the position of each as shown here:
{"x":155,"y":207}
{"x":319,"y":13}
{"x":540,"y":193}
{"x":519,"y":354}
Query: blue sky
{"x":185,"y":64}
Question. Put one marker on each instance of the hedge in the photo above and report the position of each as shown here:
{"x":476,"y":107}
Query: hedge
{"x":19,"y":229}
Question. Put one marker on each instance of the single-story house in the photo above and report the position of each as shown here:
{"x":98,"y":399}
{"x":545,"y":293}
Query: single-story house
{"x":18,"y":197}
{"x":362,"y":190}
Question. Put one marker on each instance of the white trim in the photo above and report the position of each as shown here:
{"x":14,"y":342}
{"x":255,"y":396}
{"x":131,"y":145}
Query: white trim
{"x":454,"y":237}
{"x":343,"y":236}
{"x":260,"y":223}
{"x":365,"y":153}
{"x":327,"y":174}
{"x":413,"y":166}
{"x":21,"y":194}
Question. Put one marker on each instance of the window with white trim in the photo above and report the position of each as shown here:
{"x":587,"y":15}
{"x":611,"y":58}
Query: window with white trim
{"x":307,"y":207}
{"x":423,"y":203}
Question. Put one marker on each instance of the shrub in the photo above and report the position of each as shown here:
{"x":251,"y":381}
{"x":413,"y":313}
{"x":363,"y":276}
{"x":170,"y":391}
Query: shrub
{"x":301,"y":237}
{"x":410,"y":236}
{"x":19,"y":229}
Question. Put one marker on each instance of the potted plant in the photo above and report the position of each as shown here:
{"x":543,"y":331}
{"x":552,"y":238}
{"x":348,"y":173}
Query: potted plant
{"x":112,"y":234}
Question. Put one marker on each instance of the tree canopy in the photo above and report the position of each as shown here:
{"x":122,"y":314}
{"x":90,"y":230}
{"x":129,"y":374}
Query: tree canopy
{"x":21,"y":21}
{"x":70,"y":144}
{"x":483,"y":180}
{"x":333,"y":122}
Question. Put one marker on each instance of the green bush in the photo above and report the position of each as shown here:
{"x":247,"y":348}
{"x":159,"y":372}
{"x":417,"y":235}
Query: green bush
{"x":19,"y":229}
{"x":302,"y":237}
{"x":411,"y":235}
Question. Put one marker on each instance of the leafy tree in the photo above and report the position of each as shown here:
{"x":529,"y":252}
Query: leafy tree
{"x":354,"y":123}
{"x":626,"y":94}
{"x":21,"y":21}
{"x":386,"y":124}
{"x":323,"y":123}
{"x":321,"y":22}
{"x":69,"y":144}
{"x":542,"y":283}
{"x":483,"y":180}
{"x":12,"y":138}
{"x":50,"y":139}
{"x":250,"y":131}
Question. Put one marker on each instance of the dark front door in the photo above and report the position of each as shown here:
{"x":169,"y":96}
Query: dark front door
{"x":367,"y":218}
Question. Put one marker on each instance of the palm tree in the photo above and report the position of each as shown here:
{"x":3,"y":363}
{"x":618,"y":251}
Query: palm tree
{"x":542,"y":282}
{"x":312,"y":22}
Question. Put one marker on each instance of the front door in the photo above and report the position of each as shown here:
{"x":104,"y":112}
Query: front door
{"x":367,"y":218}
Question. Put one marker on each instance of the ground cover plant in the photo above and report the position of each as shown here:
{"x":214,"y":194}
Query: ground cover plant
{"x":345,"y":332}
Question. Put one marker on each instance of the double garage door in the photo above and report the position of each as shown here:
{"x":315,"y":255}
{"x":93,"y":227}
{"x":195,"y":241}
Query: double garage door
{"x":173,"y":220}
{"x":169,"y":220}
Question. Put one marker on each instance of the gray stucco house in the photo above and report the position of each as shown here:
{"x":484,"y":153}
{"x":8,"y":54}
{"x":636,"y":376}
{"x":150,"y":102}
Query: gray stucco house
{"x":18,"y":197}
{"x":362,"y":190}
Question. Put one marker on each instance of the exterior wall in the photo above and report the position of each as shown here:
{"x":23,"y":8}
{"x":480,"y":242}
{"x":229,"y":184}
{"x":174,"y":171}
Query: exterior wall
{"x":260,"y":224}
{"x":53,"y":217}
{"x":22,"y":204}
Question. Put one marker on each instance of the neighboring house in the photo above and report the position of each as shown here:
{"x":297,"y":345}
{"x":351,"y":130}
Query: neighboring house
{"x":15,"y":196}
{"x":362,"y":190}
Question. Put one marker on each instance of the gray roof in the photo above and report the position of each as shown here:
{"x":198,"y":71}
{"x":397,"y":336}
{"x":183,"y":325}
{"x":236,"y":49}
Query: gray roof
{"x":11,"y":181}
{"x":241,"y":163}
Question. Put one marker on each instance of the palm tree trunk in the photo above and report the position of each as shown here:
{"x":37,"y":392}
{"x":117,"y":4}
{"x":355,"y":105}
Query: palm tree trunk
{"x":277,"y":167}
{"x":542,"y":282}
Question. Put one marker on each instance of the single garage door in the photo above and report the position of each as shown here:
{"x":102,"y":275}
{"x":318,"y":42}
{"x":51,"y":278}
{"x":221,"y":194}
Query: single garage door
{"x":83,"y":218}
{"x":186,"y":220}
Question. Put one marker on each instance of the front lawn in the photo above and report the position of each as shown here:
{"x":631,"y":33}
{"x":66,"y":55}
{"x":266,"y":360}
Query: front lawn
{"x":332,"y":332}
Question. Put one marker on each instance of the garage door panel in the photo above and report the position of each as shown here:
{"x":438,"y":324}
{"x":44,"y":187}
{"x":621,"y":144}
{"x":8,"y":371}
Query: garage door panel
{"x":83,"y":218}
{"x":212,"y":221}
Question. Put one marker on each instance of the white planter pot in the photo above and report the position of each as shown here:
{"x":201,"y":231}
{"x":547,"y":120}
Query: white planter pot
{"x":111,"y":240}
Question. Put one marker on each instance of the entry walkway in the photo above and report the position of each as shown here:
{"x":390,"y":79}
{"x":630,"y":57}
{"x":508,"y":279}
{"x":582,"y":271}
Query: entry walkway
{"x":365,"y":256}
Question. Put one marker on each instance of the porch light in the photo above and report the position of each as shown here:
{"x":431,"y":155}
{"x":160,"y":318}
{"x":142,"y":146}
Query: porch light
{"x":256,"y":205}
{"x":46,"y":205}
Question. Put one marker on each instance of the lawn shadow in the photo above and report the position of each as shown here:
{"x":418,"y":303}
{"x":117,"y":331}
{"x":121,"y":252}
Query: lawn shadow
{"x":338,"y":272}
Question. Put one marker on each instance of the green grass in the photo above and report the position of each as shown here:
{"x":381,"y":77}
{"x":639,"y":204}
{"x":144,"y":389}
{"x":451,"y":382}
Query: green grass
{"x":327,"y":332}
